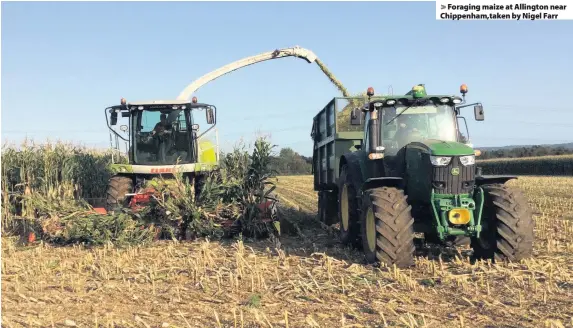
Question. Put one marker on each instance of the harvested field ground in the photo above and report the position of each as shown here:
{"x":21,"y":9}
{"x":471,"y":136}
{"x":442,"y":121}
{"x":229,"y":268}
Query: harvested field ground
{"x":310,"y":282}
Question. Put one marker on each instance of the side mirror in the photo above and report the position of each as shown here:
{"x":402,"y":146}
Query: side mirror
{"x":195,"y":127}
{"x":113,"y":118}
{"x":478,"y":112}
{"x":210,"y":116}
{"x":356,"y":117}
{"x":124,"y":128}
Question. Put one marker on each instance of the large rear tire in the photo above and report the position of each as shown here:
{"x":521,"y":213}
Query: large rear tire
{"x":507,"y":225}
{"x":387,"y":227}
{"x":117,"y":187}
{"x":347,"y":208}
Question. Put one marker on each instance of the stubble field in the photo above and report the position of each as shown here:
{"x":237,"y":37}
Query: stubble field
{"x":311,"y":281}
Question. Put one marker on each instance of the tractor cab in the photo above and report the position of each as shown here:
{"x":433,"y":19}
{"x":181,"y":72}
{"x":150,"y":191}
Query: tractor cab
{"x":415,"y":119}
{"x":161,"y":132}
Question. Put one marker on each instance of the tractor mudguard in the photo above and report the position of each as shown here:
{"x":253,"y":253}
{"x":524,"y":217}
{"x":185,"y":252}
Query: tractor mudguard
{"x":383,"y":182}
{"x":353,"y":163}
{"x":493,"y":179}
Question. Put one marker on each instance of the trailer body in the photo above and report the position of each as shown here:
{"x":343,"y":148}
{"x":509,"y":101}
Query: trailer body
{"x":333,"y":137}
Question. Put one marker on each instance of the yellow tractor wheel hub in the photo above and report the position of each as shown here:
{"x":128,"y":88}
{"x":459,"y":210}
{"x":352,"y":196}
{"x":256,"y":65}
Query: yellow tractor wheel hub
{"x":371,"y":230}
{"x":344,"y":207}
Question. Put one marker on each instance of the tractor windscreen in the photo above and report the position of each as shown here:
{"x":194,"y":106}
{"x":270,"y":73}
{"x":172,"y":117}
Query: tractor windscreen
{"x":403,"y":125}
{"x":162,"y":137}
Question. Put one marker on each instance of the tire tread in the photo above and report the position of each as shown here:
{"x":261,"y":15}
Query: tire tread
{"x":118,"y":186}
{"x":513,"y":219}
{"x":395,"y":226}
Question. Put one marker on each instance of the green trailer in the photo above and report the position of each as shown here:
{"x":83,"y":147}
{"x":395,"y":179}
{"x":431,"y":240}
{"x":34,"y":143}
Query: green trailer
{"x":388,"y":167}
{"x":333,"y":136}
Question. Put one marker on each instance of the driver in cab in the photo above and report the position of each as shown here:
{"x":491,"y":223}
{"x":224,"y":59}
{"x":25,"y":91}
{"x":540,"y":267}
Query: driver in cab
{"x":161,"y":126}
{"x":407,"y":130}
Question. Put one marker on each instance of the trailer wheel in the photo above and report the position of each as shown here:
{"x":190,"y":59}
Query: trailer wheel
{"x":327,"y":206}
{"x":387,"y":227}
{"x":347,"y":208}
{"x":117,"y":187}
{"x":507,"y":225}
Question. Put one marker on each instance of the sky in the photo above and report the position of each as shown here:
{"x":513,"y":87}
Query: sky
{"x":64,"y":63}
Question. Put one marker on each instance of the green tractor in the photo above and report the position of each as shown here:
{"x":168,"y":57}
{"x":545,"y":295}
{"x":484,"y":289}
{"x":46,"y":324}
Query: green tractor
{"x":402,"y":167}
{"x":161,"y":138}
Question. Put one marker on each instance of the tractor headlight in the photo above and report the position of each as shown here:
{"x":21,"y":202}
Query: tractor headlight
{"x":440,"y":160}
{"x":468,"y":160}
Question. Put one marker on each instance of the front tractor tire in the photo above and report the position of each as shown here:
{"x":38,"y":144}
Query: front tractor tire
{"x":117,"y":188}
{"x":507,"y":225}
{"x":387,"y":227}
{"x":347,"y":208}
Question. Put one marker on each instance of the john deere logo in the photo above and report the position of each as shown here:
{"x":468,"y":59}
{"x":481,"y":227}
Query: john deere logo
{"x":455,"y":171}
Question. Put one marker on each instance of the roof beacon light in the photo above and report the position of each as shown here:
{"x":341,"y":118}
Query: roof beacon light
{"x":194,"y":100}
{"x":463,"y":89}
{"x":419,"y":91}
{"x":370,"y":92}
{"x":123,"y":101}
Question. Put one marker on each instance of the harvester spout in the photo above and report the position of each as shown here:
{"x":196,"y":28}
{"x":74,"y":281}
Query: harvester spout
{"x":296,"y":51}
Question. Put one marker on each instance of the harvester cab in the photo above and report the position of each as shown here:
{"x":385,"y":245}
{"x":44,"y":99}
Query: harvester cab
{"x":160,"y":138}
{"x":414,"y":171}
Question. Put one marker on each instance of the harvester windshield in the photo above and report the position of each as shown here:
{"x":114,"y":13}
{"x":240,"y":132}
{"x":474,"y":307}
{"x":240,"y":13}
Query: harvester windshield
{"x":405,"y":124}
{"x":162,"y":137}
{"x":162,"y":132}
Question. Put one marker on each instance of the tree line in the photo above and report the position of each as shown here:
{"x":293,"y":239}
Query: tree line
{"x":528,"y":151}
{"x":289,"y":162}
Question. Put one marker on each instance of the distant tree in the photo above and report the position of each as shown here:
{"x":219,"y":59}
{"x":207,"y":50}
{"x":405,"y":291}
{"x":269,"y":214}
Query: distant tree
{"x":289,"y":162}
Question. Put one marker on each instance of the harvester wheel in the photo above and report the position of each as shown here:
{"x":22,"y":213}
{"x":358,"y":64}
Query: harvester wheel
{"x":327,"y":204}
{"x":347,"y":208}
{"x":507,"y":225}
{"x":117,"y":187}
{"x":387,"y":227}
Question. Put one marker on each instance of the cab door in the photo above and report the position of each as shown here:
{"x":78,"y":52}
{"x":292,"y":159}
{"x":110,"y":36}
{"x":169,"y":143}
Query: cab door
{"x":370,"y":168}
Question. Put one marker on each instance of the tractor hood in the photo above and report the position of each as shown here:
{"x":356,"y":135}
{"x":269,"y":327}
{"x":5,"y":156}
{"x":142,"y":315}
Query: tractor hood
{"x":443,"y":148}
